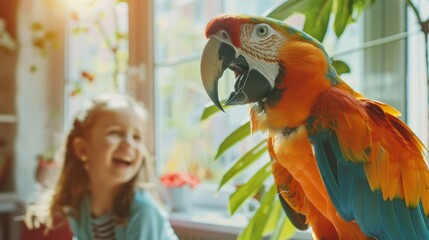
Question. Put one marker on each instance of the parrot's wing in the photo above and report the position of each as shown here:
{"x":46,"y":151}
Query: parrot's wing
{"x":291,"y":196}
{"x":289,"y":191}
{"x":386,"y":108}
{"x":298,"y":208}
{"x":372,"y":165}
{"x":297,"y":219}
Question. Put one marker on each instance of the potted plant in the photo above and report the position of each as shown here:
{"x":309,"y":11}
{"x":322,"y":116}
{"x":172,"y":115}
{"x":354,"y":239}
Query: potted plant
{"x":178,"y":186}
{"x":47,"y":167}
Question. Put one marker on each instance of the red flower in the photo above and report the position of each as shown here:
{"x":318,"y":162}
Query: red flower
{"x":88,"y":76}
{"x":179,"y":180}
{"x":75,"y":16}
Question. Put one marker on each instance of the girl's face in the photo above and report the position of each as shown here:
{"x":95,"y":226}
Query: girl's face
{"x":114,"y":146}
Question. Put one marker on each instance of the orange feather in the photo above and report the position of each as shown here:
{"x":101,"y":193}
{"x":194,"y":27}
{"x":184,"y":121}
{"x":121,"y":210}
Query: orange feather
{"x":295,"y":170}
{"x":293,"y":194}
{"x":393,"y":156}
{"x":306,"y":67}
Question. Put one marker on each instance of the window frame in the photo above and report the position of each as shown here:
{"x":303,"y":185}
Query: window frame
{"x":141,"y":81}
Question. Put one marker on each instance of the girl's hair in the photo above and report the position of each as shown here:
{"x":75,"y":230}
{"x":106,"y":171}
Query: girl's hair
{"x":72,"y":184}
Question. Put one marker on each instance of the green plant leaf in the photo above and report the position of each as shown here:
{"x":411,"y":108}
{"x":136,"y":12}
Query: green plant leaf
{"x":254,"y":229}
{"x":121,"y":35}
{"x":317,"y":18}
{"x":274,"y":217}
{"x":7,"y":41}
{"x":317,"y":13}
{"x":33,"y":68}
{"x":341,"y":67}
{"x":359,"y":6}
{"x":284,"y":229}
{"x":249,"y":189}
{"x":36,"y":26}
{"x":79,"y":30}
{"x":211,"y":109}
{"x":245,"y":161}
{"x":235,"y":137}
{"x":343,"y":15}
{"x":286,"y":8}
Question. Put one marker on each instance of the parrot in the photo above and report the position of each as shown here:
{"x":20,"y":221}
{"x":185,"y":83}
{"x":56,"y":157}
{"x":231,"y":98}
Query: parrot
{"x":343,"y":164}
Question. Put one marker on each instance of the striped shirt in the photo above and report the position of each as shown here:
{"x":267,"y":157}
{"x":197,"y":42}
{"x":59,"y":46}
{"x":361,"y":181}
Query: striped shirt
{"x":103,"y":228}
{"x":147,"y":221}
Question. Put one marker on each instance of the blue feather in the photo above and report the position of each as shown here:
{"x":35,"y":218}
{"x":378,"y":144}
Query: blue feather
{"x":426,"y":218}
{"x":372,"y":202}
{"x":403,"y":215}
{"x":330,"y":180}
{"x":419,"y":222}
{"x":346,"y":188}
{"x":354,"y":200}
{"x":359,"y":208}
{"x":388,"y":220}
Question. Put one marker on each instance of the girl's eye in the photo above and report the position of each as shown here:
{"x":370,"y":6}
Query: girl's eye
{"x":136,"y":137}
{"x":262,"y":30}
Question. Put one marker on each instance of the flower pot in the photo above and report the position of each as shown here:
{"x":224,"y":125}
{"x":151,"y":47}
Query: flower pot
{"x":46,"y":172}
{"x":179,"y":198}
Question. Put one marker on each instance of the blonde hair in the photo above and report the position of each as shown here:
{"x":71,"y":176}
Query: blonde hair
{"x":72,"y":185}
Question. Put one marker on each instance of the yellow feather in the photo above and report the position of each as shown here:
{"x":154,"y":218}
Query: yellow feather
{"x":411,"y":183}
{"x":425,"y":192}
{"x":383,"y":171}
{"x":371,"y":170}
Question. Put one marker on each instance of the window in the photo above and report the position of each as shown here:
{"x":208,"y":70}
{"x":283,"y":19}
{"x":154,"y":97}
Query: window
{"x":96,"y":51}
{"x":184,"y":142}
{"x":417,"y":86}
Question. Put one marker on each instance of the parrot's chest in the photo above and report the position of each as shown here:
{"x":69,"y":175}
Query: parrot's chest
{"x":292,"y":147}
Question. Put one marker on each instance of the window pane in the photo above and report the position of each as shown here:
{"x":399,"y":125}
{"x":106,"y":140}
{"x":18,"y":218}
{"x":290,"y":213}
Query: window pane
{"x":417,"y":88}
{"x":96,"y":50}
{"x":385,"y":76}
{"x":184,"y":142}
{"x":179,"y":27}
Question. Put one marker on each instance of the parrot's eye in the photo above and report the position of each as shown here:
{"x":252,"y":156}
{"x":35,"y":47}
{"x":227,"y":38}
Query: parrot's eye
{"x":224,"y":35}
{"x":262,"y":30}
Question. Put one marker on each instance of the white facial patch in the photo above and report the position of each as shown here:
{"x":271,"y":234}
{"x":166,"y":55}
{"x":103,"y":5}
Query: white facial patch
{"x":269,"y":69}
{"x":260,"y":46}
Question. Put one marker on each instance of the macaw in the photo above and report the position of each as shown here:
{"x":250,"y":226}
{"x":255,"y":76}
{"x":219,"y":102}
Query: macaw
{"x":343,"y":164}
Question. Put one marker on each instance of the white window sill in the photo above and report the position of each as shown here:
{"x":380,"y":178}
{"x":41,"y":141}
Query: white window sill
{"x":207,"y":216}
{"x":206,"y":222}
{"x":209,"y":219}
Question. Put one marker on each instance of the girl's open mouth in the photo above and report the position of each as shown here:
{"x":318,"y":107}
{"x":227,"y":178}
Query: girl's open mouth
{"x":118,"y":162}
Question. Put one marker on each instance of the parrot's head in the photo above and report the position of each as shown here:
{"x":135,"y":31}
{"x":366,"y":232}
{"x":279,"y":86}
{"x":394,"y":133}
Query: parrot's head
{"x":255,"y":49}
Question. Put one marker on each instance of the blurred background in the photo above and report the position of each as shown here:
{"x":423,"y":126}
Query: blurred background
{"x":54,"y":54}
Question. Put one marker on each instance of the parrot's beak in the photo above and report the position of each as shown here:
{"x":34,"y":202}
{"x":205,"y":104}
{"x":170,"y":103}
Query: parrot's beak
{"x":215,"y":59}
{"x":250,"y":85}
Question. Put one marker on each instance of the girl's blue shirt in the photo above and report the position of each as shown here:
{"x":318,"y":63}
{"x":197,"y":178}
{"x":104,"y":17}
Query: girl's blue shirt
{"x":147,"y":221}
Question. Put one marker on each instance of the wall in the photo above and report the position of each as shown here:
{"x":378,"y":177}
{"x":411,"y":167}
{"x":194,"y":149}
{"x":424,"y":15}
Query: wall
{"x":8,"y":62}
{"x":38,"y":94}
